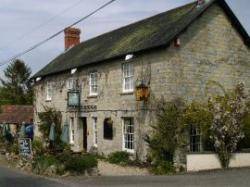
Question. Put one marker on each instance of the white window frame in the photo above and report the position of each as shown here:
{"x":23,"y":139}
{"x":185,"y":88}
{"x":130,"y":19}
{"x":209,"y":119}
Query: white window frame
{"x":95,"y":136}
{"x":70,"y":83}
{"x":125,"y":142}
{"x":93,"y":83}
{"x":71,"y":131}
{"x":195,"y":133}
{"x":127,"y":77}
{"x":49,"y":91}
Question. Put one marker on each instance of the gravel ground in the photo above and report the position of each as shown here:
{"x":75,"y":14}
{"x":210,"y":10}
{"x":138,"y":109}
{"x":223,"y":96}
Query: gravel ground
{"x":107,"y":169}
{"x":229,"y":178}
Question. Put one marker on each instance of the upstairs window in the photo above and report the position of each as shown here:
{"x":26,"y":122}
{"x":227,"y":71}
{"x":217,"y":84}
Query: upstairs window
{"x":70,"y":84}
{"x":93,"y":88}
{"x":49,"y":91}
{"x":128,"y":77}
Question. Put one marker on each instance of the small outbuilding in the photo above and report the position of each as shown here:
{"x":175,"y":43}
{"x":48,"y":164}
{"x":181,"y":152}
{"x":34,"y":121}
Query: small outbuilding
{"x":14,"y":115}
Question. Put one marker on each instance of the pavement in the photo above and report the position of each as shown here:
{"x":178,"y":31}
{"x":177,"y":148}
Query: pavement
{"x":234,"y":178}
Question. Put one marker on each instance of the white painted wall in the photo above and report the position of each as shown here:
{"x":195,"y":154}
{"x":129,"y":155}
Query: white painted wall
{"x":199,"y":162}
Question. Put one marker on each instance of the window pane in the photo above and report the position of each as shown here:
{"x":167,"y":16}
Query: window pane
{"x":128,"y":133}
{"x":128,"y":72}
{"x":195,"y":139}
{"x":93,"y":83}
{"x":108,"y":129}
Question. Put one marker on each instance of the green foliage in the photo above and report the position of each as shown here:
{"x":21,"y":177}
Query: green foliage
{"x":12,"y":148}
{"x":229,"y":112}
{"x":42,"y":162}
{"x":119,"y":157}
{"x":245,"y":142}
{"x":168,"y":133}
{"x":80,"y":163}
{"x":37,"y":147}
{"x":197,"y":114}
{"x":16,"y":88}
{"x":47,"y":118}
{"x":162,"y":168}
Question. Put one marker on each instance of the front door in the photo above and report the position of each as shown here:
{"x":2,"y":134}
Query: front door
{"x":85,"y":133}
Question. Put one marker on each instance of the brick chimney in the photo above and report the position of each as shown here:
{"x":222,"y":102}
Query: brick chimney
{"x":71,"y":37}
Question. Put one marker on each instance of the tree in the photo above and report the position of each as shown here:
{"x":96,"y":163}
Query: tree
{"x":16,"y":88}
{"x":229,"y":112}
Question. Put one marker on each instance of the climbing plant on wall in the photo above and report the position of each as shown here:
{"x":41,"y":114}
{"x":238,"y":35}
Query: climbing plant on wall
{"x":49,"y":116}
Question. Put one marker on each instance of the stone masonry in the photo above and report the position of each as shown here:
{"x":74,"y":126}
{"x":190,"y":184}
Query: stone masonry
{"x":211,"y":50}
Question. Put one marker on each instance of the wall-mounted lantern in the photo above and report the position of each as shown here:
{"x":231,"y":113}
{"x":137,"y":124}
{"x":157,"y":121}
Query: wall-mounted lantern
{"x":142,"y":92}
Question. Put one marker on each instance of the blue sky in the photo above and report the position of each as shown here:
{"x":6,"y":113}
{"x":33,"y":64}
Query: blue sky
{"x":19,"y":18}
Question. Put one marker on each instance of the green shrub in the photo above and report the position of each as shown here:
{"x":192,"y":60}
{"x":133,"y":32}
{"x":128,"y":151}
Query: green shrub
{"x":13,"y":148}
{"x":48,"y":117}
{"x":80,"y":163}
{"x":245,"y":142}
{"x":37,"y":147}
{"x":41,"y":163}
{"x":168,"y":133}
{"x":163,"y":168}
{"x":119,"y":157}
{"x":64,"y":156}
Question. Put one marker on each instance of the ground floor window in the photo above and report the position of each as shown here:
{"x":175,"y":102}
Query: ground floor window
{"x":71,"y":131}
{"x":95,"y":131}
{"x":108,"y":129}
{"x":128,"y":134}
{"x":195,"y":139}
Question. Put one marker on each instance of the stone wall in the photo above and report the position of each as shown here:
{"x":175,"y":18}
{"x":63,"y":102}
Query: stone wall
{"x":211,"y":50}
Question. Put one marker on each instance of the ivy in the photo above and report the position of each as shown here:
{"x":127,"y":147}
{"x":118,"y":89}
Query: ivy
{"x":47,"y":118}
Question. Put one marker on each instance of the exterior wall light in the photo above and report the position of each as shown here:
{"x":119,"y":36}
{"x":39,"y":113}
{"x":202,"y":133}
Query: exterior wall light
{"x":38,"y":79}
{"x":73,"y":71}
{"x":129,"y":57}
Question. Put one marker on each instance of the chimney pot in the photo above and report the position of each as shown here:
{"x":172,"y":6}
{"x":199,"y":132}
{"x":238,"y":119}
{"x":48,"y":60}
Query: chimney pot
{"x":71,"y":37}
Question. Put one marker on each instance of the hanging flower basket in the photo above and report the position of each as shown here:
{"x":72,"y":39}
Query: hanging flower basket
{"x":142,"y":93}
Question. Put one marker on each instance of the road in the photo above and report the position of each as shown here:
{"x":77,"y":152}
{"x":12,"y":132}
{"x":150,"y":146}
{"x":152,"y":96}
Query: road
{"x":12,"y":178}
{"x":234,"y":178}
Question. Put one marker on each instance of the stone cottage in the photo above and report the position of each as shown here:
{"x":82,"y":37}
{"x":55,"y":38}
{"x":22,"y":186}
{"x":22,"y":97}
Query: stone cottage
{"x":173,"y":54}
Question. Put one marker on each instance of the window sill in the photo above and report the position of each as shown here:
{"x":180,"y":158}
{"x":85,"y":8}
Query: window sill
{"x":92,"y":96}
{"x":128,"y":93}
{"x":132,"y":151}
{"x":48,"y":100}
